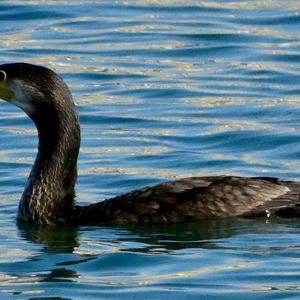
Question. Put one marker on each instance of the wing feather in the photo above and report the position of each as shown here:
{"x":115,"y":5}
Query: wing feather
{"x":198,"y":198}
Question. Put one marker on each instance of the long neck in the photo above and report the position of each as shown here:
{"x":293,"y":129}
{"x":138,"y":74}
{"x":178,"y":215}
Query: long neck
{"x":50,"y":189}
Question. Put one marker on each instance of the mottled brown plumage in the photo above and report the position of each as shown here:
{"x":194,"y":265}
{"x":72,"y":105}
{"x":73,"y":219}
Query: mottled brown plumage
{"x":48,"y":197}
{"x":196,"y":198}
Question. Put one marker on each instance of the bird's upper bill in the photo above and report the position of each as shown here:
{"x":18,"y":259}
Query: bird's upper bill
{"x":5,"y":90}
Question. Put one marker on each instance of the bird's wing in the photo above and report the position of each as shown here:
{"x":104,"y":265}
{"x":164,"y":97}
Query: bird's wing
{"x":198,"y":198}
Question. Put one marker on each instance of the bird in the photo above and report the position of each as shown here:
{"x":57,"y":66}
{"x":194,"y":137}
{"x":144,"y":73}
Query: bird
{"x":49,"y":194}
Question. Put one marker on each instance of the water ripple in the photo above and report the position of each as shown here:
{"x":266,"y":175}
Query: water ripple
{"x":164,"y":89}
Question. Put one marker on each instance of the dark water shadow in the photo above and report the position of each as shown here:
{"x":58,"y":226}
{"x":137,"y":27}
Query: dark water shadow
{"x":60,"y":261}
{"x":56,"y":239}
{"x":166,"y":237}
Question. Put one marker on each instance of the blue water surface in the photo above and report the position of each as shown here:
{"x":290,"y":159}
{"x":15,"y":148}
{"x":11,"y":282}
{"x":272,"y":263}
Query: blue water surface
{"x":165,"y":89}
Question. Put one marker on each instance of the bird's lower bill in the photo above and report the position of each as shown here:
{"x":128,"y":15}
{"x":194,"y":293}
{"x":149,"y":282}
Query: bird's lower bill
{"x":5,"y":91}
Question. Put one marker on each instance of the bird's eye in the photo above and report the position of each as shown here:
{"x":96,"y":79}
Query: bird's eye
{"x":2,"y":75}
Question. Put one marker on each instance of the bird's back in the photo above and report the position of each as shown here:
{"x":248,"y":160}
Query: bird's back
{"x":197,"y":198}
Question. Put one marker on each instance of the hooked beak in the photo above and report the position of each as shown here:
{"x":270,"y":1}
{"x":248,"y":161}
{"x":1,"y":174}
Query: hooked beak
{"x":5,"y":91}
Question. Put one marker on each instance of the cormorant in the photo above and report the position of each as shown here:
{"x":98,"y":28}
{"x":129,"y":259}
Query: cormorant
{"x":49,"y":194}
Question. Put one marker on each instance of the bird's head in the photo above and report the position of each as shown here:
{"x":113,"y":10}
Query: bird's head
{"x":32,"y":88}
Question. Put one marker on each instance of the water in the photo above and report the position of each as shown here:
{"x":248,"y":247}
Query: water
{"x":165,"y":89}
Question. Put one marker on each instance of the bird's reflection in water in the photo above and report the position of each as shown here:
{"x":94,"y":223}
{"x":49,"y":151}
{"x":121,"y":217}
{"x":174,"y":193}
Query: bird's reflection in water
{"x":71,"y":247}
{"x":167,"y":237}
{"x":205,"y":234}
{"x":56,"y":239}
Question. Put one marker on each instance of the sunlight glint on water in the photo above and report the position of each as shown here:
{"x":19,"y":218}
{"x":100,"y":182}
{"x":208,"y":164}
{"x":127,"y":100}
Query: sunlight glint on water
{"x":165,"y":89}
